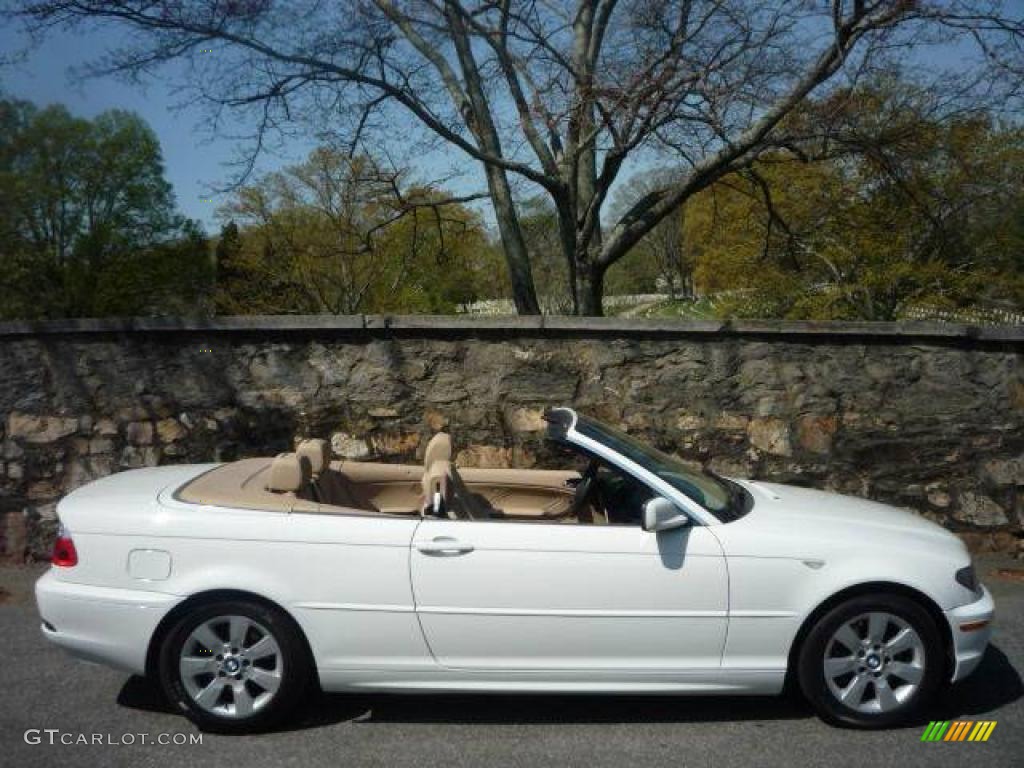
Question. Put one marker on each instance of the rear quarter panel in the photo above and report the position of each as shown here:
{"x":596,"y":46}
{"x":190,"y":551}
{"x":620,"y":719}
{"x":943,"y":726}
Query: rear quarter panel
{"x":344,"y":579}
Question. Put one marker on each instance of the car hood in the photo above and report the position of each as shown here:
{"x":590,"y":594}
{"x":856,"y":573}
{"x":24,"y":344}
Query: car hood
{"x":820,"y":514}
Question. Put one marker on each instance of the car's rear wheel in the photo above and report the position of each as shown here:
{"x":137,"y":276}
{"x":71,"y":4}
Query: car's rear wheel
{"x":872,"y":661}
{"x":234,"y":666}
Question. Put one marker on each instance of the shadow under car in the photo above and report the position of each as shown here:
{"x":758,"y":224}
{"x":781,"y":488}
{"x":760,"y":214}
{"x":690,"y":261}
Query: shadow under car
{"x":995,"y":684}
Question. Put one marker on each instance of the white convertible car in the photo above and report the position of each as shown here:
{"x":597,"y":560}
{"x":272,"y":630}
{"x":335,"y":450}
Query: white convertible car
{"x":242,"y":586}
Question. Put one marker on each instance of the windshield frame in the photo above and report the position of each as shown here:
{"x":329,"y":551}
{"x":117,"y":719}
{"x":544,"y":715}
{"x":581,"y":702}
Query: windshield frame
{"x":563,"y":423}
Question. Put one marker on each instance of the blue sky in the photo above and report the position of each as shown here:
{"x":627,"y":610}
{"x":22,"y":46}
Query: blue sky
{"x":194,"y":160}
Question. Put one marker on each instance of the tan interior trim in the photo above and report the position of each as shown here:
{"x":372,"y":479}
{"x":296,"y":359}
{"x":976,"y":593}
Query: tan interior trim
{"x":371,"y":488}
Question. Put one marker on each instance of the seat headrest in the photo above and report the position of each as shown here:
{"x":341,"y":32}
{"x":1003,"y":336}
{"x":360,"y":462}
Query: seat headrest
{"x":318,"y":452}
{"x":289,"y":473}
{"x":438,"y":449}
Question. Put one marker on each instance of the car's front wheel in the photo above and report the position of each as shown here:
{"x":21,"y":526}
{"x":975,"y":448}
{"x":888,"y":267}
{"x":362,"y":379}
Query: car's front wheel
{"x":872,"y":661}
{"x":234,"y":666}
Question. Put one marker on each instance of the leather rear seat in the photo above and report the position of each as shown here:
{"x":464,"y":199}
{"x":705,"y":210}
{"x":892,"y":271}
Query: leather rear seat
{"x":291,"y":477}
{"x":330,"y":486}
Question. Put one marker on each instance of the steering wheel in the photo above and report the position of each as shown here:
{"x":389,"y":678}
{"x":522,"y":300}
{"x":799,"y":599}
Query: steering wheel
{"x":584,"y":488}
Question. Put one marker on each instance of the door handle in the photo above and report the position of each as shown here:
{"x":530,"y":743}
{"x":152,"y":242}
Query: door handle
{"x":444,"y":546}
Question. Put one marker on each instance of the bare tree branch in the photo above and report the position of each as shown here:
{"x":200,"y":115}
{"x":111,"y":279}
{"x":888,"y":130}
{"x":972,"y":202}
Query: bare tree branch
{"x":561,"y":95}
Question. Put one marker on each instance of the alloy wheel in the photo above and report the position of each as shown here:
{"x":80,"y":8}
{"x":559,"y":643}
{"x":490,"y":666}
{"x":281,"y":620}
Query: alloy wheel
{"x":874,"y":663}
{"x":231,"y":666}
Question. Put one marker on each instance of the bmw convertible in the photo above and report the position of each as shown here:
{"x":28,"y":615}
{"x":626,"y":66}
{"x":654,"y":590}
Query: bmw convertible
{"x":244,"y":587}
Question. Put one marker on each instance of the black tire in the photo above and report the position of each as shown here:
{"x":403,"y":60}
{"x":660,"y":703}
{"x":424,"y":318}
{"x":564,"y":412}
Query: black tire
{"x":292,"y":667}
{"x":814,"y":683}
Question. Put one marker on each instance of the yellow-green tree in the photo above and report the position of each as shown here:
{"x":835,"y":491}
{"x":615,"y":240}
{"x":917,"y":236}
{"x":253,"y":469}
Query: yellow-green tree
{"x":927,"y":215}
{"x":341,"y":235}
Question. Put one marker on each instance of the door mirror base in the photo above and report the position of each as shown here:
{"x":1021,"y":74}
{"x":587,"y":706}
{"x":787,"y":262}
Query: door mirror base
{"x":660,"y":514}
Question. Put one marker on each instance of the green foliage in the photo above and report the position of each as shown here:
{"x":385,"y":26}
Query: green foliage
{"x":87,"y":220}
{"x":340,"y":235}
{"x":246,"y":280}
{"x":662,"y":261}
{"x":894,"y":212}
{"x":927,"y":215}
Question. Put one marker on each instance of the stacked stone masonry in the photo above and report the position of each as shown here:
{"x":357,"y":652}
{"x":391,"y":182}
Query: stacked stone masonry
{"x":921,"y":416}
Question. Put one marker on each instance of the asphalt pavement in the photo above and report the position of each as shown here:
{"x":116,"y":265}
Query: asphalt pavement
{"x":41,"y":688}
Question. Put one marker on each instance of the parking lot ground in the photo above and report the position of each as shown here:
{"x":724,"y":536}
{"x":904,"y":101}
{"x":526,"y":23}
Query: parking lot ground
{"x":41,"y":688}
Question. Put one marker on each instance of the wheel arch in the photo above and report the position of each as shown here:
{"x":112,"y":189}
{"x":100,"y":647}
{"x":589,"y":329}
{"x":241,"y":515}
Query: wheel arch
{"x":209,"y":596}
{"x":870,"y":588}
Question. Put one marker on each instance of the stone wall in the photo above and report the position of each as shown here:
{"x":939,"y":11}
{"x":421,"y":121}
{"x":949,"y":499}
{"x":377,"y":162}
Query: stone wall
{"x":923,"y":416}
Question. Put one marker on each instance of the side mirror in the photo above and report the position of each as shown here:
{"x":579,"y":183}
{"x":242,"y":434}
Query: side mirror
{"x":662,"y":515}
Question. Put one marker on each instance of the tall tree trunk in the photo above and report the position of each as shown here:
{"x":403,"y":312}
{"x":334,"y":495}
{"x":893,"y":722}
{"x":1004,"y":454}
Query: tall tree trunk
{"x":588,"y":286}
{"x":586,"y":274}
{"x":477,"y":113}
{"x":524,"y":293}
{"x":567,"y":242}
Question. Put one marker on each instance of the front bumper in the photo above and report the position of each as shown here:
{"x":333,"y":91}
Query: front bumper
{"x":101,"y":624}
{"x":969,"y":644}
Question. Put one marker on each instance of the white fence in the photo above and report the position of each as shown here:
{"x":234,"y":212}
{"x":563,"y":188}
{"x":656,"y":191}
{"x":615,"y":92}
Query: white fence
{"x":634,"y":304}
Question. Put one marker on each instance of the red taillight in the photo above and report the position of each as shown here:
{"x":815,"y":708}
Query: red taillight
{"x":64,"y":553}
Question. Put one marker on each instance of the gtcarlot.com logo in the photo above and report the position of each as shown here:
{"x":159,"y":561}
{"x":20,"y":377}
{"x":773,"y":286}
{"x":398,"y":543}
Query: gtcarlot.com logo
{"x":958,"y":730}
{"x":57,"y":736}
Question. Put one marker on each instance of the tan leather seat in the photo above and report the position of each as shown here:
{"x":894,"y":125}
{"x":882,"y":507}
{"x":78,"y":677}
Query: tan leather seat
{"x":330,"y":486}
{"x":436,"y":471}
{"x":290,"y":476}
{"x":318,"y":452}
{"x":438,"y":449}
{"x":437,"y":489}
{"x":446,"y":495}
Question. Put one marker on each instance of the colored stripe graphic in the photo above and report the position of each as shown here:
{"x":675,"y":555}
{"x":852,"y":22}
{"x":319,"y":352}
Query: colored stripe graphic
{"x":954,"y":731}
{"x":958,"y":730}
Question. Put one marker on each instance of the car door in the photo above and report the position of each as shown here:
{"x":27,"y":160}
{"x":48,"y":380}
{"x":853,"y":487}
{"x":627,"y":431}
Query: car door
{"x":572,"y":597}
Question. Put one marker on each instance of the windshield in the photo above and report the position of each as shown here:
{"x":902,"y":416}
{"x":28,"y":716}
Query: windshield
{"x":709,"y":491}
